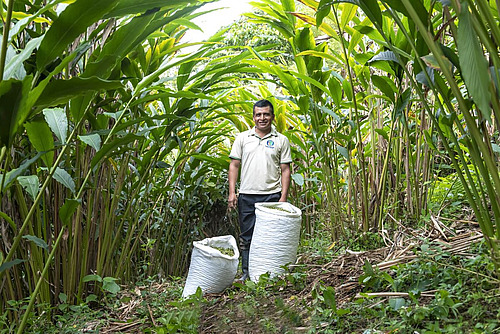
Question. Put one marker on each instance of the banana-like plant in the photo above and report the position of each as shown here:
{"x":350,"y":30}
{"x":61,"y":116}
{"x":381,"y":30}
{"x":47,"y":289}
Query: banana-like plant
{"x":92,"y":107}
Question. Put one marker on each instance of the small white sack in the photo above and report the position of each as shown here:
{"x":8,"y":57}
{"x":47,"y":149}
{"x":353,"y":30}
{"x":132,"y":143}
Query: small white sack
{"x":275,"y":238}
{"x":211,"y":270}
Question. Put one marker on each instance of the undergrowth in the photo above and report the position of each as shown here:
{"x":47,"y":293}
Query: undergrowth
{"x":437,"y":292}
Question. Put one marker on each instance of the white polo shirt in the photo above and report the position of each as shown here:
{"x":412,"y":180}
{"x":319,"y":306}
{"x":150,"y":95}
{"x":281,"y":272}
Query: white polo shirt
{"x":260,"y":161}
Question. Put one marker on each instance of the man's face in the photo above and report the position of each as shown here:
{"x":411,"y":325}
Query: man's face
{"x":263,"y":118}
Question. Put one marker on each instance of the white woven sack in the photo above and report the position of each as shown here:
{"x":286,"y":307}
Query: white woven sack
{"x":275,"y":238}
{"x":211,"y":270}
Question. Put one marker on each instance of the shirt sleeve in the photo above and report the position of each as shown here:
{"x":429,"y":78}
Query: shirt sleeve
{"x":286,"y":155}
{"x":236,"y":150}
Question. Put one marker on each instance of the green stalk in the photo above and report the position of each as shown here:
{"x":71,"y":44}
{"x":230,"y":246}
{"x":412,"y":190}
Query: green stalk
{"x":472,"y":126}
{"x":27,"y":220}
{"x":361,"y":158}
{"x":474,"y":131}
{"x":41,"y":280}
{"x":5,"y":41}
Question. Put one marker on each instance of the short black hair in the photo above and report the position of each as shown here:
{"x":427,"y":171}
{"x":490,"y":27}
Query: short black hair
{"x":263,"y":104}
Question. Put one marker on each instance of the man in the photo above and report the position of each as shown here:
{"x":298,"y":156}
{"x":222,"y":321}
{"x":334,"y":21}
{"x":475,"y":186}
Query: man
{"x":264,"y":157}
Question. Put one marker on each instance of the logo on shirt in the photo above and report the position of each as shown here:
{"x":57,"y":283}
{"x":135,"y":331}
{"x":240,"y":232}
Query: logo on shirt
{"x":270,"y":143}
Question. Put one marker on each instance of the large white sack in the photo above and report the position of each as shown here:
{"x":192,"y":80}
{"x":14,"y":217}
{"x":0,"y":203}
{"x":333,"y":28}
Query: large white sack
{"x":275,"y":238}
{"x":211,"y":270}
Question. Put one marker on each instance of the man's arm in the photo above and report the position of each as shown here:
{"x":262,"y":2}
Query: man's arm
{"x":285,"y":181}
{"x":232,"y":176}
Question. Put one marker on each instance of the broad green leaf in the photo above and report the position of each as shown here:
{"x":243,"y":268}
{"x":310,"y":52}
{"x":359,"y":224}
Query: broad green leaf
{"x":323,"y":11}
{"x":298,"y":179}
{"x":386,"y":86}
{"x":371,"y":9}
{"x":30,"y":184}
{"x":109,"y":284}
{"x":385,"y":56}
{"x":348,"y":13}
{"x":63,"y":177}
{"x":72,"y":22}
{"x":473,"y":62}
{"x":417,"y":5}
{"x":397,"y":303}
{"x":92,"y":278}
{"x":111,"y":148}
{"x":15,"y":63}
{"x":10,"y":94}
{"x":495,"y":148}
{"x":41,"y":138}
{"x":346,"y":85}
{"x":69,"y":207}
{"x":335,"y":91}
{"x":10,"y":264}
{"x":58,"y":123}
{"x":128,"y":38}
{"x":383,"y":133}
{"x":329,"y":297}
{"x":402,"y":101}
{"x":37,"y":241}
{"x":422,"y":78}
{"x":13,"y":96}
{"x":15,"y":173}
{"x":431,"y":61}
{"x":343,"y":151}
{"x":61,"y":91}
{"x":126,"y":7}
{"x":93,"y":140}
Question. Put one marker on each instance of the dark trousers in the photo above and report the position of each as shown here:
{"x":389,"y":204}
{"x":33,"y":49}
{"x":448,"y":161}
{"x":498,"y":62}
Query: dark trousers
{"x":246,"y":211}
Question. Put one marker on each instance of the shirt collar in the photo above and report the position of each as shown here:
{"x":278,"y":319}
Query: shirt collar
{"x":272,"y":133}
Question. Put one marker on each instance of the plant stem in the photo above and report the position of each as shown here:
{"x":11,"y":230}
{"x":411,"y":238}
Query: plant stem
{"x":40,"y":281}
{"x":5,"y":41}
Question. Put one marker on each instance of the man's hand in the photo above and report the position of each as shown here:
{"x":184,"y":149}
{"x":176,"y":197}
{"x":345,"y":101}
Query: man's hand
{"x":232,"y":201}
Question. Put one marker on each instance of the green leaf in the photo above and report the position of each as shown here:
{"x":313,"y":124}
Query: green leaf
{"x":93,"y":140}
{"x":68,"y":209}
{"x":418,"y":6}
{"x":92,"y":278}
{"x":110,"y":149}
{"x":298,"y":179}
{"x":126,"y":7}
{"x":431,"y":61}
{"x":72,"y":22}
{"x":403,"y":101}
{"x":12,"y":96}
{"x":41,"y":138}
{"x":329,"y":297}
{"x":109,"y":284}
{"x":63,"y":177}
{"x":60,"y":92}
{"x":16,"y":62}
{"x":335,"y":91}
{"x":495,"y":148}
{"x":473,"y":62}
{"x":14,"y":174}
{"x":10,"y":264}
{"x":343,"y":151}
{"x":385,"y":56}
{"x":371,"y":9}
{"x":323,"y":11}
{"x":383,"y":133}
{"x":30,"y":184}
{"x":346,"y":85}
{"x":58,"y":123}
{"x":397,"y":303}
{"x":385,"y":85}
{"x":37,"y":241}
